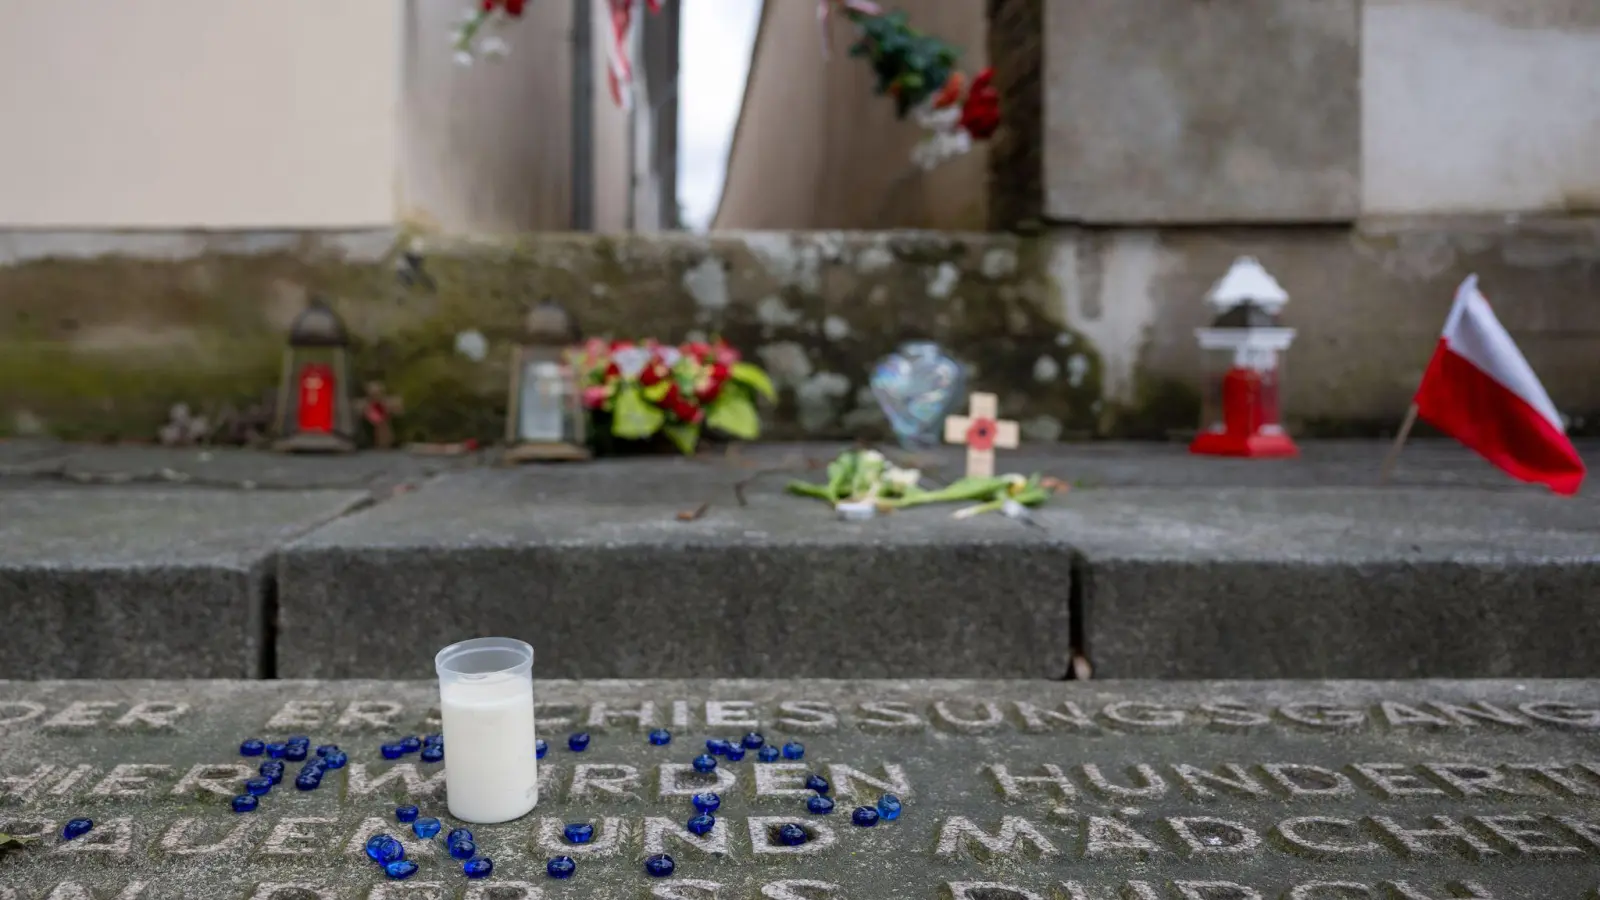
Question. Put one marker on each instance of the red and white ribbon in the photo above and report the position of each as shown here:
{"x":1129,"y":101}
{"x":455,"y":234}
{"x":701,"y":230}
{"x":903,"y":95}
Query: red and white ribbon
{"x":619,"y":69}
{"x":825,"y":17}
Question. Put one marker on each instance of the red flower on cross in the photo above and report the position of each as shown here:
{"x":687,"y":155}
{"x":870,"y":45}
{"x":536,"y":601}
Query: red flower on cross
{"x":981,"y":434}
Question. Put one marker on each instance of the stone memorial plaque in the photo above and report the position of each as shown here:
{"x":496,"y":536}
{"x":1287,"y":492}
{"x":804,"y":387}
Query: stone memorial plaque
{"x":1011,"y":791}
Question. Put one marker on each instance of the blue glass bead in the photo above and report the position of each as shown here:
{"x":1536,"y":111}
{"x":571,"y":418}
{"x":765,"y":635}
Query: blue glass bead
{"x":326,"y":750}
{"x":463,"y":849}
{"x":392,"y":751}
{"x":659,"y":865}
{"x":734,"y":753}
{"x":373,"y":845}
{"x":889,"y":807}
{"x":578,"y":832}
{"x":276,"y":751}
{"x":792,"y":835}
{"x":308,"y":782}
{"x":298,"y":739}
{"x":661,"y":737}
{"x":411,"y":743}
{"x":390,"y":850}
{"x":716,"y":746}
{"x":707,"y":803}
{"x":540,"y":748}
{"x":767,"y":754}
{"x":432,"y":754}
{"x":578,"y":742}
{"x":478,"y":868}
{"x":701,"y":824}
{"x":794,"y":750}
{"x":252,"y":747}
{"x":819,"y":805}
{"x":865,"y":816}
{"x":406,"y":814}
{"x":272,"y":770}
{"x":336,"y":759}
{"x":257,"y":787}
{"x":459,"y":834}
{"x":433,"y":740}
{"x":426,"y":827}
{"x":753,"y":741}
{"x":76,"y":828}
{"x":818,"y":783}
{"x":400,"y":868}
{"x":560,"y":867}
{"x":314,"y":767}
{"x":705,"y":763}
{"x":244,"y":803}
{"x":295,"y":753}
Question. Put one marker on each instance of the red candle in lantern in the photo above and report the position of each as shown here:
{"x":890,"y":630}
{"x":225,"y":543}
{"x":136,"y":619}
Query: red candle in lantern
{"x":1241,"y":402}
{"x":315,"y":412}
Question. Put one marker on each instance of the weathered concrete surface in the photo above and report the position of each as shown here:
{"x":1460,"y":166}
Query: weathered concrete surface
{"x":596,"y":561}
{"x":1011,"y":791}
{"x":1157,"y":112}
{"x":1368,"y":304}
{"x":139,"y":583}
{"x":1340,"y":583}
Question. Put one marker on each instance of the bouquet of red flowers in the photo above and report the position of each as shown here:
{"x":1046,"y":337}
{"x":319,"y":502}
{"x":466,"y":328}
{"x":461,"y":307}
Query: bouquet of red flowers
{"x":649,"y":388}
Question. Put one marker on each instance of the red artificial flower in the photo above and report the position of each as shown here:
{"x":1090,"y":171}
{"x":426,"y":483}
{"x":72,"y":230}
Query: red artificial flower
{"x":513,"y":8}
{"x":710,"y":382}
{"x":980,"y":114}
{"x":950,"y":94}
{"x":699,"y":350}
{"x":595,"y":397}
{"x":621,"y":345}
{"x":654,"y":373}
{"x":724,"y":354}
{"x":681,"y":407}
{"x":981,"y":434}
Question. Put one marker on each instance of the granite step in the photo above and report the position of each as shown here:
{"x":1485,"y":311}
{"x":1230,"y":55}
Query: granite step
{"x":1010,"y":791}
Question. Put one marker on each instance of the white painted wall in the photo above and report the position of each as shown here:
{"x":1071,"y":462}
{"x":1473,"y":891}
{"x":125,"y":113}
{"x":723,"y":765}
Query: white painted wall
{"x":1480,"y":106}
{"x":199,"y":113}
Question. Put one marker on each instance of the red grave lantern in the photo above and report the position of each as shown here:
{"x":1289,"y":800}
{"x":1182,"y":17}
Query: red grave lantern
{"x":313,"y":414}
{"x":1244,"y":348}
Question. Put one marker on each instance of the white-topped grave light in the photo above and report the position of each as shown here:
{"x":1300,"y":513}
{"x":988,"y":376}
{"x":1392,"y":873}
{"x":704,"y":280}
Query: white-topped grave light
{"x":1243,"y":351}
{"x":486,"y":704}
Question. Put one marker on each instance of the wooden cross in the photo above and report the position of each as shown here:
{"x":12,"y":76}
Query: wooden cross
{"x":981,"y":432}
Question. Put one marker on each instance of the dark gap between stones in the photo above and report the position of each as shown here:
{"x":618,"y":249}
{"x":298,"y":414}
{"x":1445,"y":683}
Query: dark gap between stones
{"x":267,"y":661}
{"x":1078,"y":603}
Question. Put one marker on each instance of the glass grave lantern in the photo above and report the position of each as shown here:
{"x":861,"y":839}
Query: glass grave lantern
{"x":314,"y":413}
{"x":545,"y":419}
{"x":1243,"y":350}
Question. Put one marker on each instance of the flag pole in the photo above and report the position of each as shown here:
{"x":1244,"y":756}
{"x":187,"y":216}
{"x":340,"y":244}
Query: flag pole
{"x":1399,"y":442}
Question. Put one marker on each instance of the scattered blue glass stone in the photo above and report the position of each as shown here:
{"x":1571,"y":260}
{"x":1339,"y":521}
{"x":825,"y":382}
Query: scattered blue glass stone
{"x":392,"y":751}
{"x":375,"y":842}
{"x":432,"y":754}
{"x":276,"y":751}
{"x":406,"y":814}
{"x":661,"y":737}
{"x":768,"y":753}
{"x":272,"y":770}
{"x":659,"y":865}
{"x":705,"y":763}
{"x":459,"y":834}
{"x":400,"y":868}
{"x":411,"y":743}
{"x":295,"y":753}
{"x":540,"y":748}
{"x":889,"y":807}
{"x":794,"y":750}
{"x":560,"y":867}
{"x":76,"y":828}
{"x":252,"y":747}
{"x":818,"y":783}
{"x":433,"y":740}
{"x":753,"y":741}
{"x":707,"y":803}
{"x":734,"y":753}
{"x":315,"y":767}
{"x":702,"y":824}
{"x":578,"y":742}
{"x":578,"y":832}
{"x":245,"y":803}
{"x":300,"y":739}
{"x":463,"y":849}
{"x":336,"y":759}
{"x":257,"y":787}
{"x":308,"y":781}
{"x":865,"y":816}
{"x":792,"y":835}
{"x":326,"y":750}
{"x":478,"y":868}
{"x":819,"y":805}
{"x":716,"y":746}
{"x":390,"y":850}
{"x":426,"y":827}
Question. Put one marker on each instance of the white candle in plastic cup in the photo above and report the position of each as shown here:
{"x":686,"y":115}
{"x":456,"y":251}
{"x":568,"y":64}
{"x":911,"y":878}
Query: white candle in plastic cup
{"x":491,"y":773}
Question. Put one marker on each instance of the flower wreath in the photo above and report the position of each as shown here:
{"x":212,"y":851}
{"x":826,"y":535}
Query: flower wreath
{"x":917,"y":70}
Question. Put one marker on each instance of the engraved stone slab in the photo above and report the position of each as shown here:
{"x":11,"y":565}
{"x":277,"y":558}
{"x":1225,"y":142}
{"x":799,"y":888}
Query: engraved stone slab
{"x":1012,"y":791}
{"x":129,"y":581}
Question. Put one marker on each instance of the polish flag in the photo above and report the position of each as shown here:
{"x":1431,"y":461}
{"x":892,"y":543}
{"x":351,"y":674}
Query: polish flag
{"x":1479,"y":390}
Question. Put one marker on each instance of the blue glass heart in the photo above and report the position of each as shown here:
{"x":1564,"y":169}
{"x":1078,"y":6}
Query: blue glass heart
{"x":918,"y":386}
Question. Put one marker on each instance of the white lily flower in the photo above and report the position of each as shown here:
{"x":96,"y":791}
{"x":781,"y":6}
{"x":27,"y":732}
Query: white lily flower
{"x":903,"y":479}
{"x":495,"y":47}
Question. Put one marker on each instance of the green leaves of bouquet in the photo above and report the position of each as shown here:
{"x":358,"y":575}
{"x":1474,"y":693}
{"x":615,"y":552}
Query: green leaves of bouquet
{"x":909,"y":65}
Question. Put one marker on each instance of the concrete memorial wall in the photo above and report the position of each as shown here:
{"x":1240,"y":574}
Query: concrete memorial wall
{"x":1009,"y":791}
